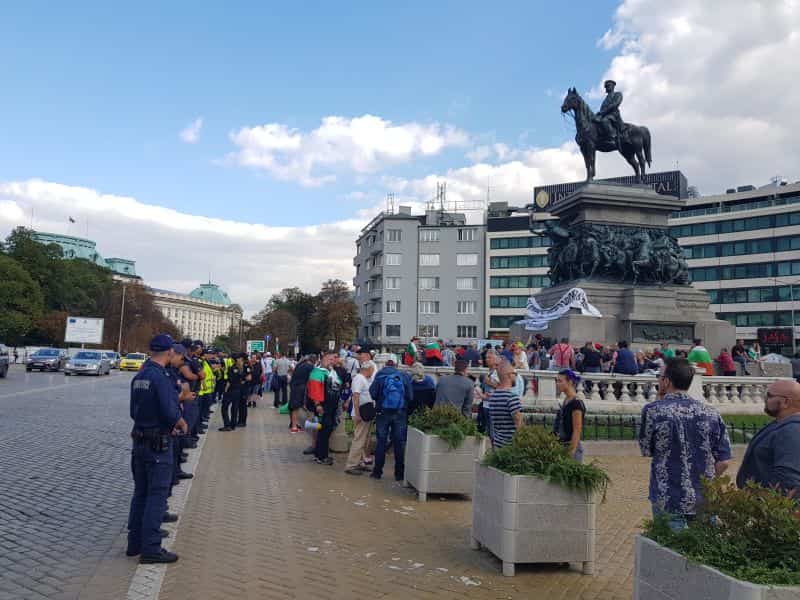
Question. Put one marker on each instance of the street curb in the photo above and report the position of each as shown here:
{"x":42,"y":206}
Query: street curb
{"x":146,"y":581}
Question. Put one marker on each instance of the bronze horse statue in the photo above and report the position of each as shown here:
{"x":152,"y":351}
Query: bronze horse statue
{"x":634,"y":140}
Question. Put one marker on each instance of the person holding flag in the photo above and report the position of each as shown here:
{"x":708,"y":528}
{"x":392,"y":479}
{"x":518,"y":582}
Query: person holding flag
{"x":410,"y":357}
{"x":433,"y":355}
{"x":701,"y":357}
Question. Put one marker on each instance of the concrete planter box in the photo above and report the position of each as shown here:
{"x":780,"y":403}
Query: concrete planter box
{"x":662,"y":574}
{"x":433,"y":468}
{"x":524,"y":519}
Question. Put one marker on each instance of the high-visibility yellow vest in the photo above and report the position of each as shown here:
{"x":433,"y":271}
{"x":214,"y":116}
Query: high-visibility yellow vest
{"x":207,"y":385}
{"x":227,"y":364}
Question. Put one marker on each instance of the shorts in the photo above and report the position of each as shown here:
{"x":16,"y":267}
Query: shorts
{"x":297,"y":398}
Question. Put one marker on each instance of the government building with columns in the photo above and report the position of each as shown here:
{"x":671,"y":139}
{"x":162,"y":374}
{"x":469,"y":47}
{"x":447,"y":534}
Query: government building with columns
{"x":204,"y":313}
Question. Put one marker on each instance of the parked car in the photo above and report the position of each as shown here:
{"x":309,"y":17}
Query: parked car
{"x":4,"y":360}
{"x":132,"y":361}
{"x":47,"y":359}
{"x":113,"y":358}
{"x":91,"y":362}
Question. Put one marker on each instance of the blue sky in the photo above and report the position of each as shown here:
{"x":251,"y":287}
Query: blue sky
{"x":312,"y":112}
{"x":95,"y":94}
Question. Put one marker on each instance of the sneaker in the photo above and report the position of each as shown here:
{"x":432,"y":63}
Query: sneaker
{"x":354,"y":471}
{"x":309,"y":450}
{"x":326,"y":461}
{"x":295,"y":430}
{"x":224,"y":429}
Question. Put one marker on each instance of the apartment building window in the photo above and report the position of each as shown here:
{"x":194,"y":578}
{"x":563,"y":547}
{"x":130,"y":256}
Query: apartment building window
{"x":358,"y":291}
{"x":508,"y":301}
{"x":358,"y":248}
{"x":429,"y":283}
{"x":393,"y":331}
{"x":391,"y":283}
{"x":429,"y":307}
{"x":392,"y":260}
{"x":525,"y":261}
{"x":429,"y":260}
{"x":393,"y":306}
{"x":394,"y":235}
{"x":466,"y":235}
{"x":521,"y":281}
{"x":466,"y":307}
{"x":466,"y":283}
{"x":467,"y":331}
{"x":428,"y":331}
{"x":466,"y":260}
{"x":512,"y":243}
{"x":428,"y":235}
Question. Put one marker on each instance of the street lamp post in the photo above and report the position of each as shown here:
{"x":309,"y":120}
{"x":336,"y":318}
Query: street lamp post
{"x":121,"y":317}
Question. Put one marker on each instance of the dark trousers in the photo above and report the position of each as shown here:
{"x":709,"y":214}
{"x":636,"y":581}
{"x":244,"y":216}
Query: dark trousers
{"x":219,"y":390}
{"x":242,"y":413}
{"x":230,"y":407}
{"x":324,"y":435}
{"x":205,"y":406}
{"x":391,"y":423}
{"x":152,"y":475}
{"x":191,"y":413}
{"x":281,"y":391}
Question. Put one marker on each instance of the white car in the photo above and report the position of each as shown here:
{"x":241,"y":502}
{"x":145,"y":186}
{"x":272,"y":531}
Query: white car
{"x":90,"y":362}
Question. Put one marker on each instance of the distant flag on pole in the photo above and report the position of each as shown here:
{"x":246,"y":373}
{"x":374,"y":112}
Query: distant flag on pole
{"x":71,"y":220}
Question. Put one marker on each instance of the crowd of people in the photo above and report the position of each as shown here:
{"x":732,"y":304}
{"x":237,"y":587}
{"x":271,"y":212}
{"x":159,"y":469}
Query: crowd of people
{"x":171,"y":399}
{"x":545,"y":354}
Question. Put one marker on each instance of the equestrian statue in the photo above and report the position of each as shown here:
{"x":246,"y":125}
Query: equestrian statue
{"x":607,"y":132}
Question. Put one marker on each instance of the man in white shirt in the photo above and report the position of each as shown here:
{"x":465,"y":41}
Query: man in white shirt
{"x":360,"y":396}
{"x":266,"y":369}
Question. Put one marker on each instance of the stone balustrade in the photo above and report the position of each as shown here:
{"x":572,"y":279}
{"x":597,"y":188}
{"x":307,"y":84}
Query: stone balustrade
{"x":626,"y":394}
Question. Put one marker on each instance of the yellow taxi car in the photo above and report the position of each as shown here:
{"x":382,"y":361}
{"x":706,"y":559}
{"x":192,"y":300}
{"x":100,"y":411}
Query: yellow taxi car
{"x":132,"y":361}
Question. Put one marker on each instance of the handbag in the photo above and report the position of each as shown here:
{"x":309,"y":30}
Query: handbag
{"x":367,"y":411}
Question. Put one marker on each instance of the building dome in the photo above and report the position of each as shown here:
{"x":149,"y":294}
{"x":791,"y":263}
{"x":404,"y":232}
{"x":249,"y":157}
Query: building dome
{"x":210,"y":292}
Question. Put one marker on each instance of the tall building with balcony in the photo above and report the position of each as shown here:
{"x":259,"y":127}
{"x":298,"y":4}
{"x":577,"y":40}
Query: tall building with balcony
{"x":420,"y":275}
{"x":743,"y":248}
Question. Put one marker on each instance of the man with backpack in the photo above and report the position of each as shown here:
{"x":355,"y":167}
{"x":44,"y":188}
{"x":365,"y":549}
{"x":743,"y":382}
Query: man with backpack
{"x":392,"y":394}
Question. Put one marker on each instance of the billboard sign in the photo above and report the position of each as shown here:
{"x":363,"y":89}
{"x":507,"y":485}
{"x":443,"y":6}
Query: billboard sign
{"x":255,"y":346}
{"x":84,"y":330}
{"x":774,"y":336}
{"x":668,"y":183}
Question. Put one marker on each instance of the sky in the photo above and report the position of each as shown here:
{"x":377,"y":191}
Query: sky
{"x":249,"y":142}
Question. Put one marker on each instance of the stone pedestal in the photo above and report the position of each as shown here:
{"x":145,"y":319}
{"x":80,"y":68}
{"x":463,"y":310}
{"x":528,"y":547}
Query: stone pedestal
{"x":646,"y":312}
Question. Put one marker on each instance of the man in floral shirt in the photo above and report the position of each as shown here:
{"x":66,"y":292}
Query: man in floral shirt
{"x":687,"y":440}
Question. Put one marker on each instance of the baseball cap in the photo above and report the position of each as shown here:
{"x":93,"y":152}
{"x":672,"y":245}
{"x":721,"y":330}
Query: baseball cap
{"x":161,"y":342}
{"x":179,"y":349}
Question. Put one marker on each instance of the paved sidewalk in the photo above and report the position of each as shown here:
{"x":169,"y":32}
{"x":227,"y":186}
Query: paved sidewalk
{"x":264,"y":522}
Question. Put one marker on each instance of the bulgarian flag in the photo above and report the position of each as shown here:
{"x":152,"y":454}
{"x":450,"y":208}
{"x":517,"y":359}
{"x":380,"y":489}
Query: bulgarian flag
{"x":316,"y":385}
{"x":700,"y":356}
{"x":432,"y":350}
{"x":411,"y":354}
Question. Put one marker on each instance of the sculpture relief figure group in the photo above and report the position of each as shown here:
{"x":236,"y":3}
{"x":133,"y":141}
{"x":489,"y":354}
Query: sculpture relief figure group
{"x":638,"y":255}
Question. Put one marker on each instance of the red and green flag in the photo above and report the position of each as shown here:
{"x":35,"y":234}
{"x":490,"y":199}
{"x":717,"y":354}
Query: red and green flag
{"x":316,"y":385}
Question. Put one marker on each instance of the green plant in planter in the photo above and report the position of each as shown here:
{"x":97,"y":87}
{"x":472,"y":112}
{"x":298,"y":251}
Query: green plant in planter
{"x":535,"y":451}
{"x":752,"y":534}
{"x":447,"y":422}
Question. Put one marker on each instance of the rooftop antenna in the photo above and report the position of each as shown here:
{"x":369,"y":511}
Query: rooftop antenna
{"x":390,"y":202}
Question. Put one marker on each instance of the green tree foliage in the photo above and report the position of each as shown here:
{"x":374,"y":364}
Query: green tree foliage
{"x":294,"y":314}
{"x":21,"y":301}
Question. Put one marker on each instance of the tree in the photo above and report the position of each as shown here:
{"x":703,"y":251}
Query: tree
{"x":223,"y":343}
{"x":335,"y":315}
{"x":280,"y":324}
{"x":21,"y":301}
{"x":142,"y":319}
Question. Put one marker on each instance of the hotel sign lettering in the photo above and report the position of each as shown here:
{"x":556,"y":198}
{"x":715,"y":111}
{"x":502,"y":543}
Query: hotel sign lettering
{"x":668,"y":183}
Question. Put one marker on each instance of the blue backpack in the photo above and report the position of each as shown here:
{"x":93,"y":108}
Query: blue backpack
{"x":393,"y":392}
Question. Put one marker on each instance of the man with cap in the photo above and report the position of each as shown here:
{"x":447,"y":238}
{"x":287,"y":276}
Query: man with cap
{"x":773,"y":455}
{"x":608,"y":117}
{"x":174,"y":371}
{"x":156,"y":417}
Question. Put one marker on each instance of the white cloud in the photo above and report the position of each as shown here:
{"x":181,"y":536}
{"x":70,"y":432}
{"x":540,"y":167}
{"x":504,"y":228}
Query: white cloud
{"x":251,"y":261}
{"x":362,"y":145}
{"x":716,"y":83}
{"x":191,"y":133}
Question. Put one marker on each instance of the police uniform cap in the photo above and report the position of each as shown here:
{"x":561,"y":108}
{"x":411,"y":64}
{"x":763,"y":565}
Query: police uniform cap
{"x":179,"y":349}
{"x":161,"y":342}
{"x":611,"y":81}
{"x":198,"y":343}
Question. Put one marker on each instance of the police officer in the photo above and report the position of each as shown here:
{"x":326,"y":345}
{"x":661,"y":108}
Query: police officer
{"x":156,"y":417}
{"x":178,"y":371}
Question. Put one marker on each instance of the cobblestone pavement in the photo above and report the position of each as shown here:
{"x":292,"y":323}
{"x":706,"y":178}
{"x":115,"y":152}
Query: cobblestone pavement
{"x":262,"y":521}
{"x":65,"y":485}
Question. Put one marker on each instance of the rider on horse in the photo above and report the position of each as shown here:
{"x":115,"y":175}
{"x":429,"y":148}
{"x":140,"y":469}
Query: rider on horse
{"x":609,"y":118}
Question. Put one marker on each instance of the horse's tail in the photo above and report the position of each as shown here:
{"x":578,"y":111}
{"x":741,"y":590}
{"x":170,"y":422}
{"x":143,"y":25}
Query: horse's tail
{"x":646,"y":144}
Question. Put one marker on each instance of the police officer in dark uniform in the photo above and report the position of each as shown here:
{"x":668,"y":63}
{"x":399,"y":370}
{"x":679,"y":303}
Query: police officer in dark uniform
{"x":233,"y":394}
{"x":178,"y":371}
{"x":156,"y":417}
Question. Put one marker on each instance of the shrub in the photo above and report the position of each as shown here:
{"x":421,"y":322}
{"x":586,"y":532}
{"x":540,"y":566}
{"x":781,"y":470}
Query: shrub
{"x":447,"y":422}
{"x":752,"y":534}
{"x":534,"y":451}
